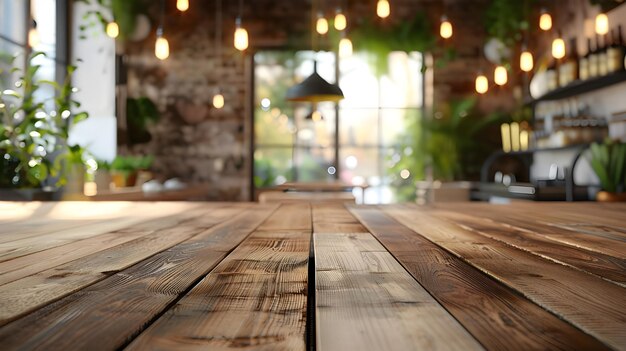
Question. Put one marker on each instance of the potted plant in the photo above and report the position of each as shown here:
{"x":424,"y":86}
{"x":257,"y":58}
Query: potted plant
{"x":608,"y":161}
{"x":33,"y":136}
{"x":448,"y":144}
{"x":125,"y":169}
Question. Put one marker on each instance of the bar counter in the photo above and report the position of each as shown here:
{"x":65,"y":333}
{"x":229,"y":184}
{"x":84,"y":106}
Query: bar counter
{"x":302,"y":276}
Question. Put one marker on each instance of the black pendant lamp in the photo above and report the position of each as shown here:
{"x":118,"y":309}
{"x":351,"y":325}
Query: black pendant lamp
{"x":314,"y":89}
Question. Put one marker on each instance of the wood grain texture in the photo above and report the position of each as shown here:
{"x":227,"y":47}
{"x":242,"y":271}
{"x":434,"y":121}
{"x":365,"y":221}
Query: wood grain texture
{"x":110,"y":312}
{"x":255,"y":299}
{"x":26,"y":294}
{"x":605,"y":266}
{"x":498,"y":317}
{"x":295,"y":217}
{"x":590,"y":303}
{"x":541,"y":221}
{"x":335,"y":219}
{"x":367,"y":301}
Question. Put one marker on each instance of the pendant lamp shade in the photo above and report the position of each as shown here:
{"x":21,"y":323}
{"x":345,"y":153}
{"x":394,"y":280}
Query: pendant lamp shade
{"x":314,"y":89}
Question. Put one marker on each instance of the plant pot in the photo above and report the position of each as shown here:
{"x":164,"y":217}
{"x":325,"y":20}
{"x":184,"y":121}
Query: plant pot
{"x":75,"y":180}
{"x":121,"y":179}
{"x":102,"y":179}
{"x":605,"y":196}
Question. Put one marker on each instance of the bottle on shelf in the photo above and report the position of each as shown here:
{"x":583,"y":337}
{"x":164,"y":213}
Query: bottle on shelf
{"x":568,"y":70}
{"x":602,"y":57}
{"x":616,"y":51}
{"x":551,"y":76}
{"x":592,"y":61}
{"x":583,"y":63}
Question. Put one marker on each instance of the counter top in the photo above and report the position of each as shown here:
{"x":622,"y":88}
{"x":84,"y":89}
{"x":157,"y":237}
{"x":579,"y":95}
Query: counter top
{"x":157,"y":275}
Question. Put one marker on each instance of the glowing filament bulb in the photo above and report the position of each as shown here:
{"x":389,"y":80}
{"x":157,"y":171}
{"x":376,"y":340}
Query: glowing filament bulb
{"x":33,"y":37}
{"x":602,"y":24}
{"x":558,"y":48}
{"x":161,"y":47}
{"x":182,"y":5}
{"x":340,"y":21}
{"x":482,"y":84}
{"x":112,"y":30}
{"x":345,"y":48}
{"x":218,"y":100}
{"x":545,"y":20}
{"x":505,"y":132}
{"x":382,"y":9}
{"x":445,"y":29}
{"x":322,"y":25}
{"x":500,"y":75}
{"x":526,"y":62}
{"x":241,"y":36}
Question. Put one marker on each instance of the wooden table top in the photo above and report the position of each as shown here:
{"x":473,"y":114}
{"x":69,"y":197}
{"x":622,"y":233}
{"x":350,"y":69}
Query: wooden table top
{"x":158,"y":276}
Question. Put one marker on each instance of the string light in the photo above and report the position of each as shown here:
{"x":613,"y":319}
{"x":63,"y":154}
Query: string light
{"x":162,"y":46}
{"x":383,"y":10}
{"x":526,"y":62}
{"x":322,"y":24}
{"x":482,"y":84}
{"x":500,"y":76}
{"x":345,"y":48}
{"x":445,"y":29}
{"x":241,"y":36}
{"x":33,"y":36}
{"x":340,"y":20}
{"x":558,"y":47}
{"x":112,"y":29}
{"x":602,"y":24}
{"x":182,"y":5}
{"x":218,"y":100}
{"x":545,"y":20}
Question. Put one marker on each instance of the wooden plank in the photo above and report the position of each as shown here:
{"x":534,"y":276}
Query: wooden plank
{"x":335,"y":219}
{"x":589,"y":302}
{"x":26,"y":244}
{"x":367,"y":301}
{"x":29,"y":293}
{"x":295,"y":217}
{"x":109,"y":313}
{"x":605,"y":266}
{"x":30,"y":264}
{"x":498,"y":317}
{"x":535,"y":223}
{"x":254,"y":299}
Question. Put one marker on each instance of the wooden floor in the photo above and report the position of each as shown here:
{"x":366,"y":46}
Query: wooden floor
{"x":219,"y":276}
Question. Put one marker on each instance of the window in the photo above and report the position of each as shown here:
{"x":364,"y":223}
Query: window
{"x":292,"y":143}
{"x":14,"y":29}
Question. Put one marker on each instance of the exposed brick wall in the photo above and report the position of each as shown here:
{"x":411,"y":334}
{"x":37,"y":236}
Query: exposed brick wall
{"x":197,"y":143}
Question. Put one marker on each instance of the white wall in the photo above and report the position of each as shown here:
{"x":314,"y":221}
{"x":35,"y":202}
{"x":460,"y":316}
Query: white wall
{"x":95,"y":79}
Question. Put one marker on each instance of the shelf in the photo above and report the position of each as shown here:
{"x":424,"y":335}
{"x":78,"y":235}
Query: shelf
{"x":581,"y":87}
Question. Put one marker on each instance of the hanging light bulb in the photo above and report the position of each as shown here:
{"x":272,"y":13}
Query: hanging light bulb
{"x":545,"y":20}
{"x":161,"y":47}
{"x":558,"y":47}
{"x":241,"y":36}
{"x":340,"y":20}
{"x":33,"y":36}
{"x":345,"y":48}
{"x":322,"y":24}
{"x":112,"y":29}
{"x":383,"y":9}
{"x":482,"y":84}
{"x":182,"y":5}
{"x":500,"y":75}
{"x":218,"y":100}
{"x":602,"y":24}
{"x":445,"y":29}
{"x":526,"y":62}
